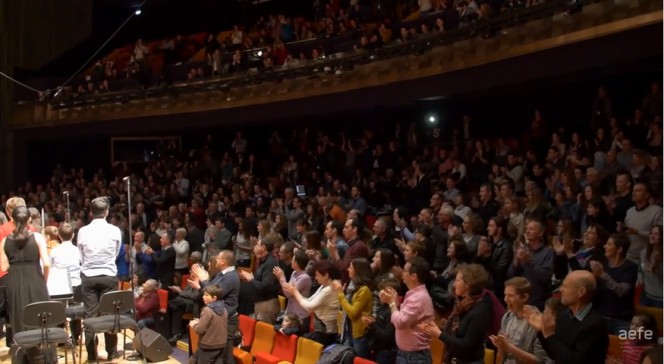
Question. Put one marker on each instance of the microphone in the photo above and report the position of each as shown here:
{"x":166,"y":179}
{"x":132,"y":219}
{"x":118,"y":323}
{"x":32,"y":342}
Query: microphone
{"x":126,"y":179}
{"x":65,"y":192}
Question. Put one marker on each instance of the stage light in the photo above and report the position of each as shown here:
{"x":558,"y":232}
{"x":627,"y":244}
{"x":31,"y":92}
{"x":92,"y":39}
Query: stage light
{"x":431,"y":119}
{"x":137,"y":12}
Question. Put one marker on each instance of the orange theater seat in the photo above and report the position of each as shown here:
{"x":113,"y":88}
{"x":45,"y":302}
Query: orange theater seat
{"x":285,"y":349}
{"x":193,"y":339}
{"x":184,"y":283}
{"x":437,"y":350}
{"x":308,"y":352}
{"x":163,"y":299}
{"x":263,"y":340}
{"x":247,"y":327}
{"x":359,"y":360}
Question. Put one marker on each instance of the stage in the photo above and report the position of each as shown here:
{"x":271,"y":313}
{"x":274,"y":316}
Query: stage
{"x":178,"y":355}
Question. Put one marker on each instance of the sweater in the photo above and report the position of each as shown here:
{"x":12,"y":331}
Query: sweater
{"x":362,"y":304}
{"x":615,"y":291}
{"x":467,"y":344}
{"x":325,"y":305}
{"x":642,"y":220}
{"x":577,"y":342}
{"x":213,"y":326}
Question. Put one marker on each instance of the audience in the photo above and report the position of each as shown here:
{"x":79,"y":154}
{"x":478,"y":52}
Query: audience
{"x":582,"y":212}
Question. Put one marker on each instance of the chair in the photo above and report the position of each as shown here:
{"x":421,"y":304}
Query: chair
{"x":263,"y":340}
{"x":46,"y":316}
{"x":112,"y":307}
{"x":247,"y":327}
{"x":163,"y":299}
{"x":656,"y":312}
{"x":615,"y":347}
{"x":193,"y":339}
{"x":285,"y":348}
{"x":489,"y":356}
{"x":359,"y":360}
{"x":184,"y":282}
{"x":437,"y":350}
{"x":126,"y":286}
{"x":308,"y":351}
{"x":282,"y":303}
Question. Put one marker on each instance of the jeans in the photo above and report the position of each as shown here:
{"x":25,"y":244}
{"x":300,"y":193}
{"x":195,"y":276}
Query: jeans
{"x":386,"y":356}
{"x":414,"y":357}
{"x":650,"y":302}
{"x":148,"y":321}
{"x":361,"y":346}
{"x":233,"y":324}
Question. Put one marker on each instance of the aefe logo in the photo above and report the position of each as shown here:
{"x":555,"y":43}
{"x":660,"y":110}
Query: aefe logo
{"x":638,"y":334}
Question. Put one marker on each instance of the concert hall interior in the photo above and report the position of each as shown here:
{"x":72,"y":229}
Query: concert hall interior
{"x":331,"y":181}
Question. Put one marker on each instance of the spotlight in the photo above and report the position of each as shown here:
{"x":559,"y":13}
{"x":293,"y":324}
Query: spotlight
{"x":137,"y":12}
{"x":431,"y":119}
{"x":259,"y":53}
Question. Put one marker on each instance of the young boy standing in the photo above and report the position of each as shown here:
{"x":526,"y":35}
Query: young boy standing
{"x":212,"y":328}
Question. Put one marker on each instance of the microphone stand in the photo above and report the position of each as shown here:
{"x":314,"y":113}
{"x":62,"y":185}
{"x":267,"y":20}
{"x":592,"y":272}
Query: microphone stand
{"x":68,"y":209}
{"x":136,"y":355}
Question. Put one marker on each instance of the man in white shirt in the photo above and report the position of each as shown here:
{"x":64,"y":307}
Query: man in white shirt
{"x":67,"y":257}
{"x":99,"y":243}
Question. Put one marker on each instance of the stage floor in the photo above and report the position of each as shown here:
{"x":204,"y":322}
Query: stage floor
{"x":178,"y":356}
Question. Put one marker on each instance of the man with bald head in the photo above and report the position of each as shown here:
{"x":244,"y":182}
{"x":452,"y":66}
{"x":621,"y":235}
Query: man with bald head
{"x":579,"y":333}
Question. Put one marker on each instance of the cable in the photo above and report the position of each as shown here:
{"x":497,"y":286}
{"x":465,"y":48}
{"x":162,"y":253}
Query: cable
{"x":21,"y":83}
{"x":102,"y":46}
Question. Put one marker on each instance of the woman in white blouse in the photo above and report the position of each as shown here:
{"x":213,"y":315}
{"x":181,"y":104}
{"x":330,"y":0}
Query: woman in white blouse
{"x":324,"y":303}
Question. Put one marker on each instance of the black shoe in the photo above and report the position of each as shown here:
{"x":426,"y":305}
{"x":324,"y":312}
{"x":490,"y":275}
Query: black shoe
{"x":174,"y":339}
{"x":114,"y":355}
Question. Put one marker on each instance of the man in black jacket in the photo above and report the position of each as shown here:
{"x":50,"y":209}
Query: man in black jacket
{"x":264,"y":283}
{"x":164,"y":261}
{"x":577,"y":335}
{"x":496,"y":254}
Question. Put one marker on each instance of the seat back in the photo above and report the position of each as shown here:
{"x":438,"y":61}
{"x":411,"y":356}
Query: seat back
{"x":308,"y":351}
{"x":264,"y":338}
{"x":184,"y":282}
{"x":282,"y":303}
{"x":489,"y":356}
{"x":193,"y":339}
{"x":359,"y":360}
{"x":116,"y":302}
{"x":437,"y":350}
{"x":615,"y":347}
{"x":247,"y":327}
{"x":126,"y":286}
{"x":163,"y":299}
{"x":285,"y":347}
{"x":656,"y":312}
{"x":44,"y":314}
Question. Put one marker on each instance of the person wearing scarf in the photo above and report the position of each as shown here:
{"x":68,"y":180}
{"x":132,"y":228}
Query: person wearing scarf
{"x":465,"y":330}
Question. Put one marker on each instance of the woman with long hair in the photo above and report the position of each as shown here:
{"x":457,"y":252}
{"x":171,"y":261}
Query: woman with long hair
{"x":243,"y":244}
{"x":651,"y":269}
{"x":20,"y":256}
{"x":357,"y":302}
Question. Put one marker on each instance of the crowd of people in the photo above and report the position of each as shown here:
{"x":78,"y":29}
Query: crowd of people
{"x":332,"y":27}
{"x":535,"y":246}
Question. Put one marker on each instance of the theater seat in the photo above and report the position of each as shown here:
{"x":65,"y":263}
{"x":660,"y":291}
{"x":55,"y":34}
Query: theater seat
{"x":241,"y":356}
{"x":263,"y":340}
{"x":656,"y":312}
{"x":184,"y":283}
{"x":489,"y":356}
{"x":285,"y":349}
{"x":359,"y":360}
{"x":247,"y":327}
{"x":615,"y":347}
{"x":163,"y":299}
{"x":308,"y":352}
{"x":437,"y":350}
{"x":193,"y":339}
{"x":282,"y":303}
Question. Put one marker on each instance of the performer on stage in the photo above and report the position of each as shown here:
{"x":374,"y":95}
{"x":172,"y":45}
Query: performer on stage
{"x":20,"y":255}
{"x":99,"y":243}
